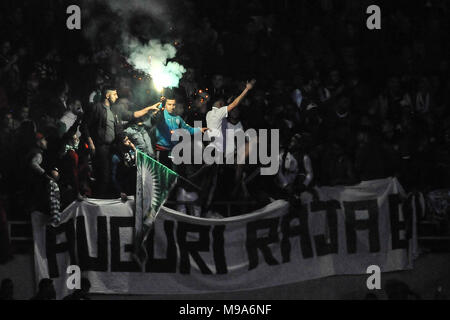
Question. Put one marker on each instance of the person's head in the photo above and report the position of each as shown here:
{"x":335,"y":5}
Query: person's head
{"x":33,"y":81}
{"x":6,"y":289}
{"x":170,"y":105}
{"x":362,"y":137}
{"x":126,"y":141}
{"x":373,"y":108}
{"x":218,"y":81}
{"x":234,"y":114}
{"x":82,"y":59}
{"x":18,"y":16}
{"x":259,"y":96}
{"x":7,"y":121}
{"x":99,"y":80}
{"x":6,"y":48}
{"x":406,"y":121}
{"x":200,"y":105}
{"x":125,"y":91}
{"x":179,"y":109}
{"x":63,"y":91}
{"x":75,"y":106}
{"x":298,"y":142}
{"x":447,"y":136}
{"x":335,"y":76}
{"x":337,"y":149}
{"x":388,"y":130}
{"x":110,"y":95}
{"x":219,"y":104}
{"x":24,"y":113}
{"x":46,"y":289}
{"x":41,"y":142}
{"x":189,"y":75}
{"x":366,"y":121}
{"x":75,"y":140}
{"x":424,"y":85}
{"x":53,"y":56}
{"x":55,"y":174}
{"x":343,"y":105}
{"x":290,"y":110}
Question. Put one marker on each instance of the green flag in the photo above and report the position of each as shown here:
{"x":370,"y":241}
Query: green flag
{"x":154,"y":182}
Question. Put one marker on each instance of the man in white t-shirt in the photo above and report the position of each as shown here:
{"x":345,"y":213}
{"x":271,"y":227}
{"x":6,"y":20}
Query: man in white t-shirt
{"x":216,"y":118}
{"x":70,"y":116}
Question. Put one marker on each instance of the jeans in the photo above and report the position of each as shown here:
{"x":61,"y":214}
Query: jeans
{"x":114,"y":166}
{"x":102,"y":170}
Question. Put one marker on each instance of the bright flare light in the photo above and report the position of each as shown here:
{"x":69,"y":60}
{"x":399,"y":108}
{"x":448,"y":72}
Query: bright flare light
{"x":165,"y":76}
{"x":160,"y":78}
{"x":152,"y":58}
{"x":158,"y":88}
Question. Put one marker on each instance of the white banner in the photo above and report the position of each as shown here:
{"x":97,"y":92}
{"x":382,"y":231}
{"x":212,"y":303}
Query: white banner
{"x":349,"y":229}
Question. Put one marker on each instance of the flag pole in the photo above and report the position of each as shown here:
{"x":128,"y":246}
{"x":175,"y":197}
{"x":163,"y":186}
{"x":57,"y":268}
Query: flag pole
{"x":190,"y":182}
{"x":179,"y":176}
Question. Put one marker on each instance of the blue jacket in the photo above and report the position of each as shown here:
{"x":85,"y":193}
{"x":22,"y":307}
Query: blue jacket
{"x":166,"y":126}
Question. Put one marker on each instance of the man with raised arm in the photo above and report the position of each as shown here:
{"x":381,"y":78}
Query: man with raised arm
{"x":101,"y":126}
{"x":167,"y":121}
{"x":216,"y":118}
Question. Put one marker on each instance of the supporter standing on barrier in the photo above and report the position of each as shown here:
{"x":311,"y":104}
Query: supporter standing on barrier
{"x":216,"y":120}
{"x":166,"y":123}
{"x":101,"y":128}
{"x":296,"y":173}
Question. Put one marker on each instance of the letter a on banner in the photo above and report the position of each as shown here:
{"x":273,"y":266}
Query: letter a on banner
{"x":74,"y":280}
{"x":374,"y":281}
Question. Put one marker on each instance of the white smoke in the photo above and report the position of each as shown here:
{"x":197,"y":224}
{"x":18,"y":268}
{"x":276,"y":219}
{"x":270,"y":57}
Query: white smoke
{"x":155,"y":8}
{"x":152,"y":59}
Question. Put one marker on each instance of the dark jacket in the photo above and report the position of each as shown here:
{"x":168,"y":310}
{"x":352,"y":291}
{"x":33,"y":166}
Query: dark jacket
{"x":94,"y":124}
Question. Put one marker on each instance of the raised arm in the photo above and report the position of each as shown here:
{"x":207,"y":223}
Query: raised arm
{"x":144,"y":111}
{"x":238,"y":100}
{"x":190,"y":129}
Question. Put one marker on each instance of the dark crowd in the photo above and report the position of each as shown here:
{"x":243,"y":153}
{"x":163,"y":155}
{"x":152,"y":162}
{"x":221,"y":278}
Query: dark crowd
{"x":351,"y":104}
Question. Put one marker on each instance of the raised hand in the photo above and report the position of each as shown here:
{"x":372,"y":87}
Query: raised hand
{"x":155,"y":106}
{"x":250,"y":84}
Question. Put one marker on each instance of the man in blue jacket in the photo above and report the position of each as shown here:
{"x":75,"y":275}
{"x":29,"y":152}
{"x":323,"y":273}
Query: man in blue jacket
{"x":166,"y":124}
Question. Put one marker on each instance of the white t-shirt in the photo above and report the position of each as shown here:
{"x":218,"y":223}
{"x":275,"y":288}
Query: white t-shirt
{"x":216,"y":122}
{"x":69,"y":119}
